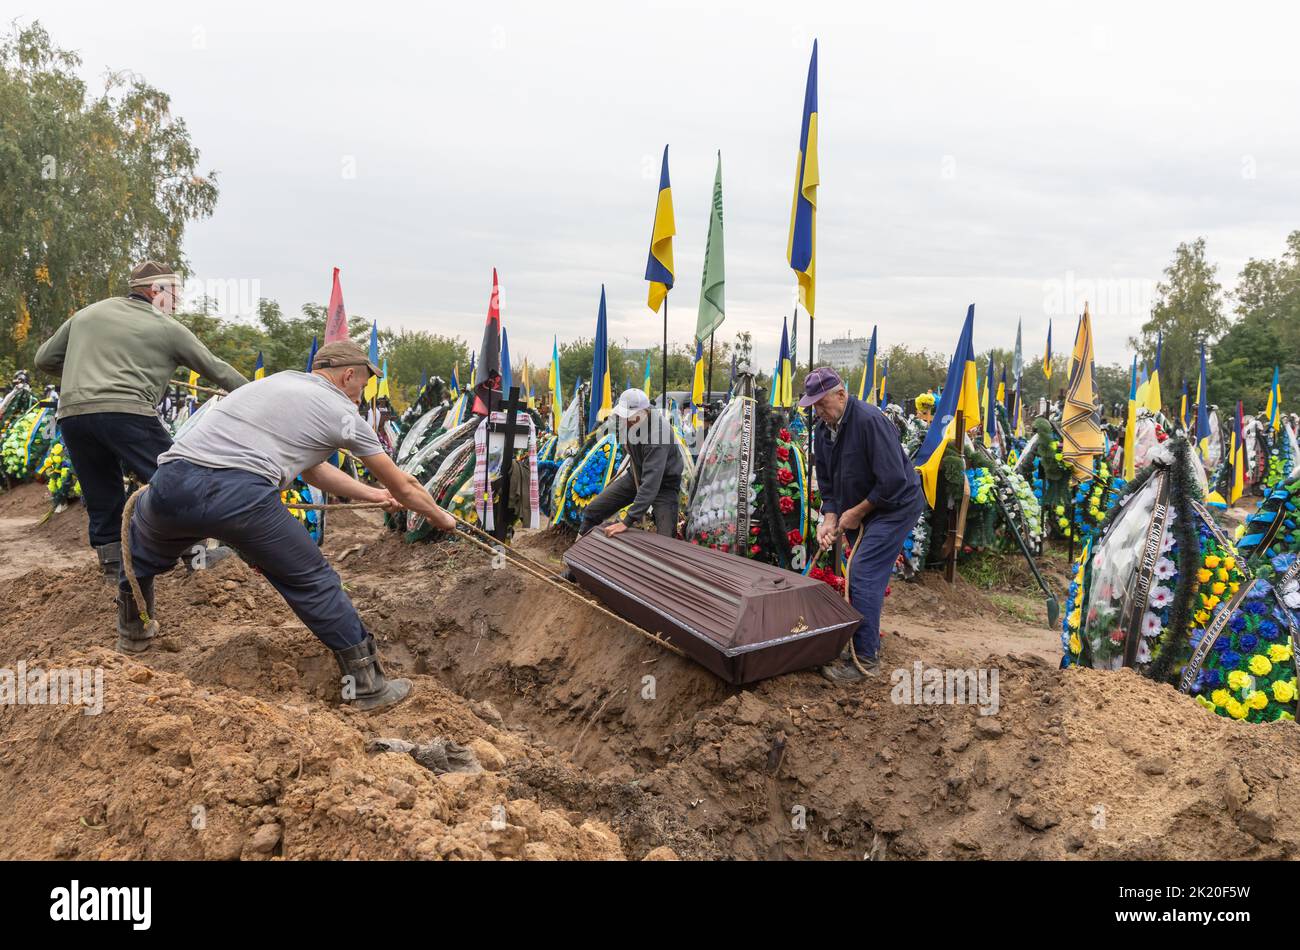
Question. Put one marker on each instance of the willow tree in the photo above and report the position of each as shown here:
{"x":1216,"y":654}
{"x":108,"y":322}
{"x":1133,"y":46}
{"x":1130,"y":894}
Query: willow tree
{"x":90,"y":182}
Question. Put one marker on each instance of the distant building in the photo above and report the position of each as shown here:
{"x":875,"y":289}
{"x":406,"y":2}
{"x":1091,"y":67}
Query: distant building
{"x":845,"y":353}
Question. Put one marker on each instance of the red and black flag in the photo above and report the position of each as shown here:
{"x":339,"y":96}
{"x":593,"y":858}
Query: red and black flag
{"x":488,"y":376}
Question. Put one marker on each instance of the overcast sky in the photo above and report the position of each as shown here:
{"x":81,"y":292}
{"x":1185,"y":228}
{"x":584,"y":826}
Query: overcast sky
{"x":1002,"y":154}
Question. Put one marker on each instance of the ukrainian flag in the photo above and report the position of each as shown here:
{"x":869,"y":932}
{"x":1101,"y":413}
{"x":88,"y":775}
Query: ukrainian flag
{"x":259,"y":371}
{"x":455,"y":382}
{"x":553,"y":384}
{"x":801,"y":248}
{"x":1274,"y":408}
{"x":1203,"y":411}
{"x":1154,"y":401}
{"x":383,"y":382}
{"x":1047,"y":357}
{"x":601,"y":399}
{"x":988,"y":412}
{"x":646,"y":383}
{"x":960,"y":392}
{"x":1182,"y":406}
{"x":1238,"y":487}
{"x":372,"y":384}
{"x":884,"y":377}
{"x":869,"y":370}
{"x":781,"y":375}
{"x":697,"y":386}
{"x":1130,"y":423}
{"x":659,"y":265}
{"x":507,"y":377}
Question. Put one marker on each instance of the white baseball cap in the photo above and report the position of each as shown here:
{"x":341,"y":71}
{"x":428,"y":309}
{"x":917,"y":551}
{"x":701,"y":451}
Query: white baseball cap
{"x":632,"y":400}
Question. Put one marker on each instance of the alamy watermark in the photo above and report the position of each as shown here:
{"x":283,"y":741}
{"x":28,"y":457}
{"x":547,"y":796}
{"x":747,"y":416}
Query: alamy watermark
{"x":1105,"y":296}
{"x":931,"y":686}
{"x":23,"y":686}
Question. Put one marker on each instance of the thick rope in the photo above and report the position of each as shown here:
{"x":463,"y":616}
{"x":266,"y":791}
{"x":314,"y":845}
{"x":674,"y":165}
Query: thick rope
{"x":127,"y":567}
{"x":521,"y":560}
{"x":197,"y":388}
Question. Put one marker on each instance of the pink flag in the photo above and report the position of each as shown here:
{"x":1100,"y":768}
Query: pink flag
{"x":336,"y":318}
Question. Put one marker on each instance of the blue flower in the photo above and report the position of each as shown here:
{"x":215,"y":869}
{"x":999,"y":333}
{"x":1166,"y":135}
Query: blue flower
{"x":1268,"y":630}
{"x":1237,"y":623}
{"x":1221,"y":644}
{"x":1230,"y":659}
{"x":1212,"y":677}
{"x":1249,"y":641}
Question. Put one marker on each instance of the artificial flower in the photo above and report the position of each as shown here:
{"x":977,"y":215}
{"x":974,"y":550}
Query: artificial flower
{"x":1260,"y":665}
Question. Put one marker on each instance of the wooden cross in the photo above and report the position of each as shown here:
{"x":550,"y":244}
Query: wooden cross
{"x":507,"y":431}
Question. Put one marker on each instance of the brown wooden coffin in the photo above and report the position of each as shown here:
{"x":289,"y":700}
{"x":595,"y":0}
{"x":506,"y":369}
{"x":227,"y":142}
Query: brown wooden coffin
{"x":743,"y":620}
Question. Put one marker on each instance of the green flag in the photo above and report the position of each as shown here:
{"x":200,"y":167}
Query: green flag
{"x":712,"y":307}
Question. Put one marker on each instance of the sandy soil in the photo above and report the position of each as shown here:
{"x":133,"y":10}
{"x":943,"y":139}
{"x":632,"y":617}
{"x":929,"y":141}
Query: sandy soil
{"x":224,"y":740}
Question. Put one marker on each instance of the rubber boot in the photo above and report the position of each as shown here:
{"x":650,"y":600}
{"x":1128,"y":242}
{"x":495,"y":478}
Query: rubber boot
{"x":133,"y":634}
{"x":369,"y":688}
{"x":110,"y":559}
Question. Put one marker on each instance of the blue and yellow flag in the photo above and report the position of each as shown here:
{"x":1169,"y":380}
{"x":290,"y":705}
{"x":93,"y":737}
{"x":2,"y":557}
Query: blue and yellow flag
{"x":801,"y":248}
{"x":781,"y":385}
{"x":1203,"y":411}
{"x":1047,"y":357}
{"x":1154,"y":401}
{"x":884,"y":378}
{"x":646,"y":382}
{"x":454,"y":394}
{"x":384,"y":391}
{"x":507,"y":376}
{"x":869,"y":369}
{"x":988,"y":406}
{"x":372,"y":384}
{"x":659,"y":265}
{"x":553,"y":384}
{"x":1182,"y":406}
{"x":1238,"y":487}
{"x":1274,"y":408}
{"x":1130,"y":423}
{"x":259,"y":370}
{"x":601,"y":398}
{"x":960,"y":392}
{"x":697,"y":387}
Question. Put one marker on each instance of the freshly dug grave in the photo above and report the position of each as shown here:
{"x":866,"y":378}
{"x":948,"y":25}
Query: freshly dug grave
{"x":596,"y":743}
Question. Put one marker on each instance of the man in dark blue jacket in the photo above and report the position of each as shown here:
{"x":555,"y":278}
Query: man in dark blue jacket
{"x":871,"y":494}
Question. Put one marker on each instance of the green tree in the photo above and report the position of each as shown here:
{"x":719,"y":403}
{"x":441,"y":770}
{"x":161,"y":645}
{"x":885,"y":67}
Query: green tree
{"x":1188,"y":312}
{"x":90,"y":183}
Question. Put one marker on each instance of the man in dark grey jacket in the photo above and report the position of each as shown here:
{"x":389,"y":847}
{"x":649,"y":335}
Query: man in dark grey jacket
{"x":654,"y":475}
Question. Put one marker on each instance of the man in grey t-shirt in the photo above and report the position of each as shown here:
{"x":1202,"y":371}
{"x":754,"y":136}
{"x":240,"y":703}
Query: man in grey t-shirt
{"x":223,"y":478}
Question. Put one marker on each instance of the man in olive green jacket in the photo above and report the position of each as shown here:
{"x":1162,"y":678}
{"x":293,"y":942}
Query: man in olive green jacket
{"x":115,"y":358}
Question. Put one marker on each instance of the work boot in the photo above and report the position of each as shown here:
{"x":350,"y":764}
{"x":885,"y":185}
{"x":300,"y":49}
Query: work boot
{"x":843,"y":670}
{"x":370,"y":689}
{"x":133,"y":634}
{"x":110,"y":559}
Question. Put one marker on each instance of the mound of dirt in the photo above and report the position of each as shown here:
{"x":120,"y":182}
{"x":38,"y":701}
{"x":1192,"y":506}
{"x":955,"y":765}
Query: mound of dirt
{"x":225,"y":740}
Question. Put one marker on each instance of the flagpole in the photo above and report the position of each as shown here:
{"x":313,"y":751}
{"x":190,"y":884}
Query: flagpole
{"x":665,"y":372}
{"x":708,"y":389}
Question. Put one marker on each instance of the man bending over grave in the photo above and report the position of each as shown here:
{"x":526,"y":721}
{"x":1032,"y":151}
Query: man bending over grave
{"x":223,"y":478}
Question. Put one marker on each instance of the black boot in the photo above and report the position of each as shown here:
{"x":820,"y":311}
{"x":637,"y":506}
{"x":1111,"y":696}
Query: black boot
{"x":364,"y":683}
{"x":133,"y":634}
{"x":110,"y":559}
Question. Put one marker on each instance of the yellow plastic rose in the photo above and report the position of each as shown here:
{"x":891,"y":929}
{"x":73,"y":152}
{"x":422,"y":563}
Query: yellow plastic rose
{"x":1257,"y":699}
{"x":1279,"y":653}
{"x":1235,"y":709}
{"x":1221,"y":574}
{"x":1238,"y":679}
{"x":1212,"y":561}
{"x":1283,"y":691}
{"x":1232,"y":588}
{"x":1200,"y":616}
{"x":1259,"y":665}
{"x":1229,"y":562}
{"x":1210,"y":602}
{"x":1220,"y":697}
{"x":1217,"y":588}
{"x":1203,"y":576}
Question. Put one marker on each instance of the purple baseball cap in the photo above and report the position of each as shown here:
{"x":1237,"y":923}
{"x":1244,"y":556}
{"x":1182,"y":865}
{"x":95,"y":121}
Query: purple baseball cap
{"x":818,"y":383}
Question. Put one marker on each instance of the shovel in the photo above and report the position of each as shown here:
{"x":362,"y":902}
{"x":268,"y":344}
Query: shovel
{"x":1053,"y":606}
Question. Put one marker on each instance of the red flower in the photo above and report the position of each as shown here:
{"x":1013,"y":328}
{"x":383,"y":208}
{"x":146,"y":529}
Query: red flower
{"x":785,"y":476}
{"x":724,"y":547}
{"x":783,"y":454}
{"x":754,"y":530}
{"x":795,"y":537}
{"x":785,"y":435}
{"x":755,"y":549}
{"x":787,"y":504}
